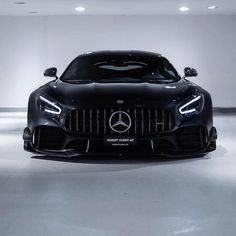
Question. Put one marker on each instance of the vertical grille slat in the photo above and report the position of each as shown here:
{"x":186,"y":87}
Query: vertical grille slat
{"x":142,"y":121}
{"x":77,"y":120}
{"x":131,"y":121}
{"x":156,"y":120}
{"x":70,"y":122}
{"x":169,"y":121}
{"x":163,"y":120}
{"x":149,"y":120}
{"x":95,"y":121}
{"x":105,"y":120}
{"x":83,"y":120}
{"x":111,"y":111}
{"x":135,"y":121}
{"x":90,"y":121}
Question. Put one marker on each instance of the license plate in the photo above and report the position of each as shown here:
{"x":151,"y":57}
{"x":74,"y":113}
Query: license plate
{"x":120,"y":141}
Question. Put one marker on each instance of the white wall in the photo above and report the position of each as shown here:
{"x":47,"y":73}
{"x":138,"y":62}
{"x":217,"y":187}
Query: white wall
{"x":30,"y":44}
{"x":23,"y":56}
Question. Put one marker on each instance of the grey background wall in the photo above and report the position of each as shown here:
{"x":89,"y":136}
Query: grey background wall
{"x":29,"y":44}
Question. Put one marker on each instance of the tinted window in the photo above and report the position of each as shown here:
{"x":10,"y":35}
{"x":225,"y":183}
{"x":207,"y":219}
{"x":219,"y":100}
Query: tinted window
{"x":120,"y":67}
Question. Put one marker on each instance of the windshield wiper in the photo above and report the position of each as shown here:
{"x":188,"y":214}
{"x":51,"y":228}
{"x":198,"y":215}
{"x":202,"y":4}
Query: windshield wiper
{"x":118,"y":79}
{"x":126,"y":79}
{"x":78,"y":81}
{"x":156,"y":80}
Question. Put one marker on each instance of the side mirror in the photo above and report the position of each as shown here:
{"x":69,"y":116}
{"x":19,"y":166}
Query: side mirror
{"x":51,"y":72}
{"x":190,"y":72}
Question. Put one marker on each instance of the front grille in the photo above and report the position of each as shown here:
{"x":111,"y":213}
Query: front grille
{"x":96,"y":121}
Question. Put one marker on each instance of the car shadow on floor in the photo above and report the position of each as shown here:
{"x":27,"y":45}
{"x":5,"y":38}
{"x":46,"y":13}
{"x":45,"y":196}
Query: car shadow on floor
{"x":121,"y":160}
{"x":220,"y":152}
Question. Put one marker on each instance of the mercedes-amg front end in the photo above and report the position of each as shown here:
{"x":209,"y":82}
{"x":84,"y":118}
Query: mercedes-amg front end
{"x":120,"y":103}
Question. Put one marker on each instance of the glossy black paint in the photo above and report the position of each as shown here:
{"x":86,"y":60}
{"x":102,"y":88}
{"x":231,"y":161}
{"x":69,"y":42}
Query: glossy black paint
{"x":190,"y":72}
{"x":51,"y":72}
{"x":168,"y":96}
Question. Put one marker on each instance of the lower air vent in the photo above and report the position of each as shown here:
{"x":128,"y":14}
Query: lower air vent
{"x":164,"y":146}
{"x":49,"y":138}
{"x":80,"y":145}
{"x":191,"y":137}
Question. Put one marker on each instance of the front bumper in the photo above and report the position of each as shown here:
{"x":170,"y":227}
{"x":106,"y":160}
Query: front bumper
{"x":54,"y":141}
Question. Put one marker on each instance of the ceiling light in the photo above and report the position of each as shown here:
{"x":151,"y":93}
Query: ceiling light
{"x":80,"y":9}
{"x":128,"y":8}
{"x":212,"y":7}
{"x":33,"y":12}
{"x":20,"y":3}
{"x":184,"y":9}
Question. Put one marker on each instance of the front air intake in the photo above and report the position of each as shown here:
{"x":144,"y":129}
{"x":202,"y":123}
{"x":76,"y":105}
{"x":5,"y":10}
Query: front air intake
{"x":192,"y":137}
{"x":49,"y":138}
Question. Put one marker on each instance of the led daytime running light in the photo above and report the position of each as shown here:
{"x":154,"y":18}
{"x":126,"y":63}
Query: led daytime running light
{"x":187,"y":104}
{"x":52,"y":104}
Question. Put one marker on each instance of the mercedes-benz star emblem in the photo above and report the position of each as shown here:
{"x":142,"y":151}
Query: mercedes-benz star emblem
{"x":120,"y":121}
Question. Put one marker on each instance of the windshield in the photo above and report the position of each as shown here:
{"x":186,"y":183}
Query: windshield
{"x":120,"y":68}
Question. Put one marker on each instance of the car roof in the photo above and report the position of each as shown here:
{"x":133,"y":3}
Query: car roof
{"x":120,"y":52}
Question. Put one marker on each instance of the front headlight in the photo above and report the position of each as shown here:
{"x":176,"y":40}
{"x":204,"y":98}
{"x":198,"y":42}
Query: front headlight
{"x":49,"y":106}
{"x":192,"y":105}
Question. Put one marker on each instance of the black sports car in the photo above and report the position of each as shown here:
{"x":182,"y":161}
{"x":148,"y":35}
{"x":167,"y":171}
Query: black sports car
{"x":122,"y":103}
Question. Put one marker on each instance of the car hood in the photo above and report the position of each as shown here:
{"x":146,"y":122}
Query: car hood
{"x":106,"y":93}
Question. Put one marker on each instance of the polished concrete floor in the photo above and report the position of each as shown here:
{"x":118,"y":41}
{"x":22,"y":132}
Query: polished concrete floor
{"x":111,"y":197}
